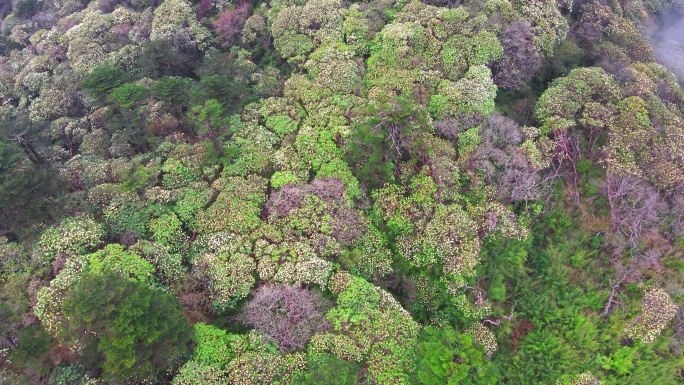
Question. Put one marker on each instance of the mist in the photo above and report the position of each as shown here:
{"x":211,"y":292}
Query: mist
{"x":668,"y":39}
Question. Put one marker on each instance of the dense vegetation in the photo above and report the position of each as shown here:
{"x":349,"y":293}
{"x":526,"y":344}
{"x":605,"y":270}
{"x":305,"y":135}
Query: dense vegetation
{"x":331,"y":192}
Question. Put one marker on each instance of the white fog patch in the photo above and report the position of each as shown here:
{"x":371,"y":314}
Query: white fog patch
{"x":668,"y":40}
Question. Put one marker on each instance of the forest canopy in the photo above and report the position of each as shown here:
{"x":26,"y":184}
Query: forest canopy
{"x":341,"y":192}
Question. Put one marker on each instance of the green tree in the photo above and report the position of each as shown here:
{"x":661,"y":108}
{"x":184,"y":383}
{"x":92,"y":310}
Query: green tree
{"x":392,"y":133}
{"x":327,"y":369}
{"x":445,"y":356}
{"x":127,"y":95}
{"x":172,"y":90}
{"x":209,"y":121}
{"x":136,"y":331}
{"x":28,"y":191}
{"x":102,"y":80}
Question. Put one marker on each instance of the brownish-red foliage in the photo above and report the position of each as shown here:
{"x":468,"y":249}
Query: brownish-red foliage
{"x":519,"y":332}
{"x":197,"y":306}
{"x":230,"y":23}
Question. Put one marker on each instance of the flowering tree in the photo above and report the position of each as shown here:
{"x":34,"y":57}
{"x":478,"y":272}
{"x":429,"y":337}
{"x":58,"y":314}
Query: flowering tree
{"x":368,"y":324}
{"x":658,"y":310}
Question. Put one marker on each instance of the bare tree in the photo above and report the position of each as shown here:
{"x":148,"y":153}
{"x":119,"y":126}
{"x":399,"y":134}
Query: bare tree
{"x":501,"y":159}
{"x":634,"y":205}
{"x":230,"y":23}
{"x":619,"y":277}
{"x":569,"y":148}
{"x":521,"y":58}
{"x":677,"y":216}
{"x":21,"y":138}
{"x":288,"y":315}
{"x":497,"y":321}
{"x":450,"y":128}
{"x":678,"y":337}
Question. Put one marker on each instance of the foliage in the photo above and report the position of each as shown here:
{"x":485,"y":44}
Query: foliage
{"x":127,"y":95}
{"x":101,"y":80}
{"x":325,"y":368}
{"x":446,"y":357}
{"x":387,"y":192}
{"x":136,"y":330}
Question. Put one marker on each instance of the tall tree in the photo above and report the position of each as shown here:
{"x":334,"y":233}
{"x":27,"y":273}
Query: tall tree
{"x":133,"y":331}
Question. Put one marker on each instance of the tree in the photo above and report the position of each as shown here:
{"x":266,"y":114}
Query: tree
{"x":172,"y":91}
{"x":127,"y":95}
{"x":391,"y":134}
{"x":26,"y":8}
{"x":445,"y":356}
{"x":550,"y":27}
{"x":635,"y":206}
{"x":209,"y":122}
{"x":103,"y":79}
{"x":369,"y":324}
{"x":559,"y":106}
{"x":288,"y":315}
{"x":237,"y":206}
{"x":77,"y":235}
{"x":326,"y":369}
{"x":585,"y":378}
{"x":135,"y":331}
{"x":471,"y":95}
{"x":228,"y":277}
{"x":28,"y":191}
{"x":521,"y":58}
{"x":658,"y":310}
{"x":230,"y":23}
{"x":222,"y":359}
{"x":175,"y":21}
{"x":500,"y":157}
{"x":159,"y":58}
